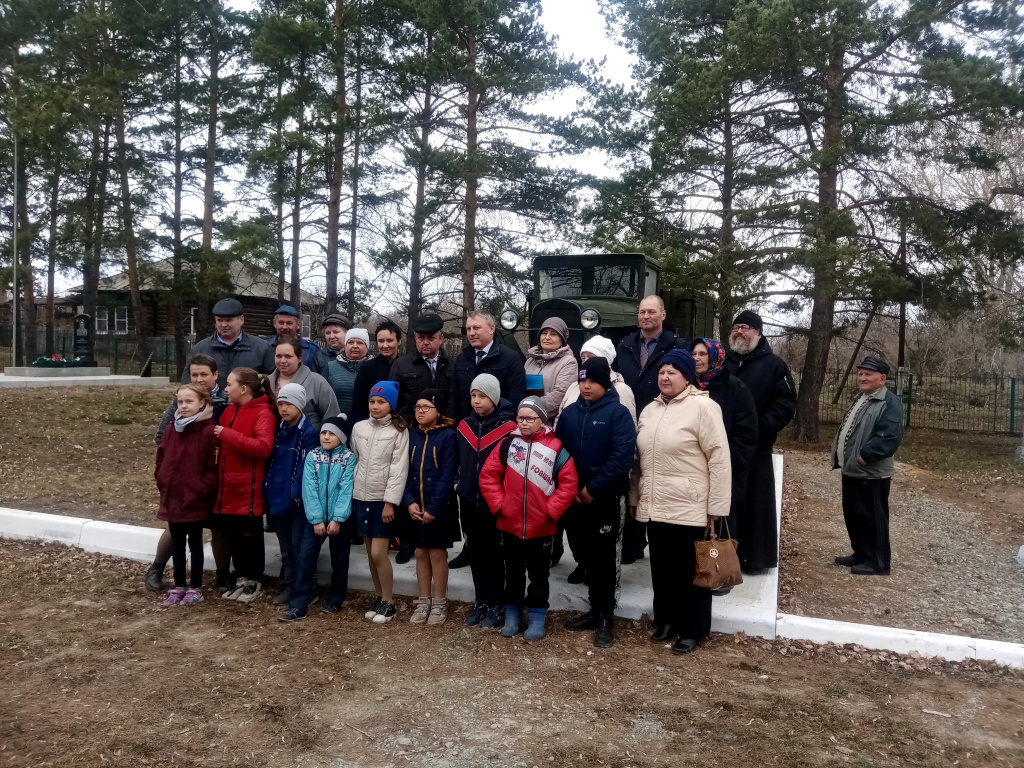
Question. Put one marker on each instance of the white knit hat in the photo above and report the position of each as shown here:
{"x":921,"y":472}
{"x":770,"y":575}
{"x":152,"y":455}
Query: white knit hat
{"x":599,"y":346}
{"x":358,"y":333}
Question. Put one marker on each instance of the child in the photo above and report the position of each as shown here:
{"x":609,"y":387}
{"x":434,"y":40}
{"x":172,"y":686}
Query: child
{"x":381,"y":445}
{"x":294,"y":438}
{"x":186,"y":474}
{"x":492,"y":419}
{"x":528,"y":482}
{"x":246,"y":433}
{"x":433,"y":460}
{"x":327,"y":500}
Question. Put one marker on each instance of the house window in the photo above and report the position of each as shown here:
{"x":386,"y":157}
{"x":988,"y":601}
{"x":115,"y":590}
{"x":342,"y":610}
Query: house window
{"x":305,"y":326}
{"x":121,"y":320}
{"x":102,"y":322}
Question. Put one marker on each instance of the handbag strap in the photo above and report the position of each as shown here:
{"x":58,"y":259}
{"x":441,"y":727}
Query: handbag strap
{"x":710,"y":530}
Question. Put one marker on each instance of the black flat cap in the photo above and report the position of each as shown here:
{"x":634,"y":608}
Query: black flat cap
{"x":428,"y":323}
{"x":875,"y":363}
{"x":228,"y":308}
{"x":336,"y":318}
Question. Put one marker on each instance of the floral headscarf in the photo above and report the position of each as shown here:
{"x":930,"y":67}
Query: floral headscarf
{"x":716,"y":361}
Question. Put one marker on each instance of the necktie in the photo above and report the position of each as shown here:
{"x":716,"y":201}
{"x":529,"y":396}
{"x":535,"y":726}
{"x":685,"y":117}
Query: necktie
{"x":480,"y":356}
{"x":432,"y":362}
{"x":645,"y":352}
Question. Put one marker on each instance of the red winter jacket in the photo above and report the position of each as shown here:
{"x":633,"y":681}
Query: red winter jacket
{"x":245,"y":443}
{"x":529,"y":483}
{"x":186,"y":470}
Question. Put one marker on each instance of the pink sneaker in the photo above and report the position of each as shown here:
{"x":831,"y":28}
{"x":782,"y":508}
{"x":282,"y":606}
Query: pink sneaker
{"x":174,"y":597}
{"x":192,"y":597}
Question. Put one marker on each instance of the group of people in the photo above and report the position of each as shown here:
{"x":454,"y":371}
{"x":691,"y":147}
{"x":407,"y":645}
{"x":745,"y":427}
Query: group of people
{"x":652,"y":441}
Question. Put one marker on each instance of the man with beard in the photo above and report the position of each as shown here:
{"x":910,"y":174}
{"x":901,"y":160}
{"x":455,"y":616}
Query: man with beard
{"x":768,"y":378}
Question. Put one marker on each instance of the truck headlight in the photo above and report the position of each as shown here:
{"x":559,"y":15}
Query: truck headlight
{"x":590,"y":319}
{"x":509,"y":320}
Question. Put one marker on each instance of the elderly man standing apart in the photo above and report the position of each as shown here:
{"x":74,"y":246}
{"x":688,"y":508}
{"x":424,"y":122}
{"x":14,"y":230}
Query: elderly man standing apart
{"x":638,"y":359}
{"x":288,"y":322}
{"x":231,"y":346}
{"x":484,"y":354}
{"x":768,"y":378}
{"x":863,"y":449}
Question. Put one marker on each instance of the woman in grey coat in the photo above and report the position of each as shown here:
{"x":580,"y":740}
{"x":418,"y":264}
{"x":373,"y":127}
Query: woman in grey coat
{"x":321,"y":402}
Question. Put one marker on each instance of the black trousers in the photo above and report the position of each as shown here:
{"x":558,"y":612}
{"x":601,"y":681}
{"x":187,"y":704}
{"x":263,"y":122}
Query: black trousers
{"x":522,"y":557}
{"x":485,"y":557}
{"x":597,"y":530}
{"x":244,"y":536}
{"x":756,"y":527}
{"x":686,"y":608}
{"x":634,"y":536}
{"x":405,"y":527}
{"x":190,"y":534}
{"x":866,"y":512}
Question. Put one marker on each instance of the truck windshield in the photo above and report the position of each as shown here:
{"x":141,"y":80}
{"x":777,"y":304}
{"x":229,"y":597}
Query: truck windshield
{"x":609,"y":280}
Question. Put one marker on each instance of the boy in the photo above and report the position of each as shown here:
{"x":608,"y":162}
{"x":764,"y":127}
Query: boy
{"x":528,"y":483}
{"x":479,"y":433}
{"x":599,"y":434}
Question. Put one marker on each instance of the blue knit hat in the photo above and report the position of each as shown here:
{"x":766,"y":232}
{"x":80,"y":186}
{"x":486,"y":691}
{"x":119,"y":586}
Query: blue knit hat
{"x":388,"y":390}
{"x":682,"y":360}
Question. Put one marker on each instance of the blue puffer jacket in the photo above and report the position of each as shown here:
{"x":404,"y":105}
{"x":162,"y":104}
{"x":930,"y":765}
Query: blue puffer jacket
{"x":601,"y":439}
{"x":282,"y":483}
{"x":433,"y":467}
{"x":327,"y":485}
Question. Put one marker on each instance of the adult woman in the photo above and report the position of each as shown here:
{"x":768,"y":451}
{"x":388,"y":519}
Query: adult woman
{"x":599,"y":346}
{"x":553,"y":359}
{"x":681,"y":481}
{"x":341,"y":371}
{"x":320,"y":400}
{"x":334,"y":327}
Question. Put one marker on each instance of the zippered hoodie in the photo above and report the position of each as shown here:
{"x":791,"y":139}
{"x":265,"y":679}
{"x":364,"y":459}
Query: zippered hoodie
{"x":327,"y":485}
{"x":282,"y":486}
{"x":383,"y":454}
{"x":433,"y":464}
{"x":186,"y":471}
{"x":601,"y":439}
{"x":478,"y":437}
{"x":245,"y":444}
{"x":528,"y":483}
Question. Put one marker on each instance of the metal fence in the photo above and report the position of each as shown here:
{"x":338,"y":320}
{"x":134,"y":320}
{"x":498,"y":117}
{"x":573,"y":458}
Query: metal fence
{"x":119,"y":353}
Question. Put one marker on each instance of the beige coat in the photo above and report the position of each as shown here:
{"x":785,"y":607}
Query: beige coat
{"x":682,"y":472}
{"x":559,"y":369}
{"x":383,"y":460}
{"x":625,"y":395}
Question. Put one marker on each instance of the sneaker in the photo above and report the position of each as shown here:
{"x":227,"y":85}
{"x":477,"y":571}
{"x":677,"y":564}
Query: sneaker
{"x":587,"y":621}
{"x":226,"y":580}
{"x":404,"y":555}
{"x":495,"y":617}
{"x":477,"y":615}
{"x":284,"y":597}
{"x":173,"y":597}
{"x":250,"y":592}
{"x":372,"y":611}
{"x":233,"y":594}
{"x":385,"y":613}
{"x":155,"y":578}
{"x":192,"y":597}
{"x":422,"y":611}
{"x":438,"y":611}
{"x":292,"y":615}
{"x":330,"y":609}
{"x":604,"y":637}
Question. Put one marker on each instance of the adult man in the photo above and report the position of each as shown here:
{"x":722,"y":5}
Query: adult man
{"x":231,"y":346}
{"x":771,"y":385}
{"x":863,"y":449}
{"x":288,"y":322}
{"x":638,"y":359}
{"x":389,"y":337}
{"x":484,"y":354}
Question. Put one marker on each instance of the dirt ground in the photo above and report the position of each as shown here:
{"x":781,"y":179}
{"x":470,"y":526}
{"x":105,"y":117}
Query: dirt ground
{"x":96,"y":673}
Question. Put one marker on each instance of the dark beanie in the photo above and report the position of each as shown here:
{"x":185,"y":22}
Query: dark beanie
{"x":751,"y":318}
{"x":597,"y":370}
{"x":682,"y":360}
{"x":436,"y":397}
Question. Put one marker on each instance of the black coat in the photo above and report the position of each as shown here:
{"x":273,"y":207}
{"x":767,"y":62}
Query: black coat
{"x":501,"y":362}
{"x":477,"y":438}
{"x":413,"y":376}
{"x":376,"y":369}
{"x":768,"y":378}
{"x":740,"y":417}
{"x":644,"y":382}
{"x":247,"y":352}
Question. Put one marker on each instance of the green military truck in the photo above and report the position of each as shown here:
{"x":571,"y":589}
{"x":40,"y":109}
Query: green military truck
{"x":600,"y":294}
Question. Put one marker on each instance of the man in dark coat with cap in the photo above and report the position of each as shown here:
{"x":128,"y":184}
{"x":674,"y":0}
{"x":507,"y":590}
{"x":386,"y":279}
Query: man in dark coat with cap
{"x":863,"y":448}
{"x":770,"y":383}
{"x":288,"y":322}
{"x":231,"y":346}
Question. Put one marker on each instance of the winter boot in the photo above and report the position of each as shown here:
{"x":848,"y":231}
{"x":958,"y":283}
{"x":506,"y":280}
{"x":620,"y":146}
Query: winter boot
{"x":495,"y":617}
{"x":476,"y":615}
{"x":513,"y":621}
{"x":155,"y":578}
{"x":535,"y":630}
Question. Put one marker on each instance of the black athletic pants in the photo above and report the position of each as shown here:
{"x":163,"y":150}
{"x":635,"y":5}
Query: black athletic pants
{"x":192,"y":535}
{"x":595,"y":529}
{"x":866,"y":512}
{"x":522,"y":557}
{"x":485,"y":558}
{"x":677,"y":602}
{"x":244,"y":535}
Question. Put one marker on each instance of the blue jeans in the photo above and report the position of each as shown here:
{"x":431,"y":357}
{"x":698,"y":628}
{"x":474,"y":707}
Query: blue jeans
{"x":307,"y":548}
{"x":289,"y":529}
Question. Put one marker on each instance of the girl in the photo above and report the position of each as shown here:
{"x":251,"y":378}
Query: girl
{"x":294,"y":437}
{"x":433,"y":461}
{"x":186,"y":474}
{"x":381,"y":445}
{"x":246,"y":433}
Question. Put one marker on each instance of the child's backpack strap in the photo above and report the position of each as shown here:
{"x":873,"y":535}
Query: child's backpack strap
{"x":506,"y":443}
{"x":560,"y":460}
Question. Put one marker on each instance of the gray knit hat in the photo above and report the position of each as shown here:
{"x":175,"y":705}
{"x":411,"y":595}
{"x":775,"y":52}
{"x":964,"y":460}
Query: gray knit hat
{"x":489,"y":385}
{"x":535,"y":404}
{"x":294,"y":394}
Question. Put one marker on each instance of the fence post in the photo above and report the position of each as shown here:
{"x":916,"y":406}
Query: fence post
{"x":910,"y":399}
{"x":115,"y":355}
{"x":1013,"y":405}
{"x":167,"y":358}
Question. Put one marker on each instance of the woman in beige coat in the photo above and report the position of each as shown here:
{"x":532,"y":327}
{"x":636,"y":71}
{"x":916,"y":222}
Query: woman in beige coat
{"x":681,"y":482}
{"x":553,"y":359}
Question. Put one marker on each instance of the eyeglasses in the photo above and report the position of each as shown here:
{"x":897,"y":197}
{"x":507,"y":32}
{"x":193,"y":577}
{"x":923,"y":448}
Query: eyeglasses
{"x":422,"y":408}
{"x":527,"y":419}
{"x":741,"y":328}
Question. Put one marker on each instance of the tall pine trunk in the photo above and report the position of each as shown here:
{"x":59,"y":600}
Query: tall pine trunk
{"x":128,"y":236}
{"x":419,"y":216}
{"x":356,"y":143}
{"x":28,"y":349}
{"x":210,"y":169}
{"x":727,"y":235}
{"x":337,"y":170}
{"x":177,"y":246}
{"x":472,"y":182}
{"x":294,"y":294}
{"x":279,"y":191}
{"x":51,"y":254}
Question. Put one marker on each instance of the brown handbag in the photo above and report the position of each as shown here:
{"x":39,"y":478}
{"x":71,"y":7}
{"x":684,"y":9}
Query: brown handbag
{"x":718,"y":565}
